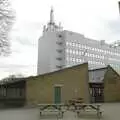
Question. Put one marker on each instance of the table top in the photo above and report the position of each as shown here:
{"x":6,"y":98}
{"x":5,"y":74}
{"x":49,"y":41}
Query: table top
{"x":62,"y":104}
{"x":50,"y":104}
{"x":88,"y":104}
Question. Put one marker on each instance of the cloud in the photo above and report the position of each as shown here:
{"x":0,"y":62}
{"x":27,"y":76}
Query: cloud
{"x":114,"y":26}
{"x":109,"y":30}
{"x":23,"y":59}
{"x":93,"y":18}
{"x":25,"y":70}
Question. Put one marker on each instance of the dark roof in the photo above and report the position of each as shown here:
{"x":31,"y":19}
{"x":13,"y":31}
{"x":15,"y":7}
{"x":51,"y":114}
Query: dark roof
{"x":11,"y":80}
{"x":98,"y":69}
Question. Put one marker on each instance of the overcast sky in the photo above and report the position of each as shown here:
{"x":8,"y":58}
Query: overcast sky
{"x":97,"y":19}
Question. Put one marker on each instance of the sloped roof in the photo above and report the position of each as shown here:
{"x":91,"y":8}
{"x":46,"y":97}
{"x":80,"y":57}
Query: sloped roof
{"x":74,"y":66}
{"x":97,"y":75}
{"x":12,"y":80}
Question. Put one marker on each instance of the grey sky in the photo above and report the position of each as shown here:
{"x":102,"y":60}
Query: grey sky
{"x":97,"y":19}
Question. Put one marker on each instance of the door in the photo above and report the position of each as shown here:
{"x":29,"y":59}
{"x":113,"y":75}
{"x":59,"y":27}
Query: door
{"x":57,"y":94}
{"x":99,"y":95}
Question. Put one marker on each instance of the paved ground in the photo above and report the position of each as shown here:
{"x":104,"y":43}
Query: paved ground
{"x":111,"y":112}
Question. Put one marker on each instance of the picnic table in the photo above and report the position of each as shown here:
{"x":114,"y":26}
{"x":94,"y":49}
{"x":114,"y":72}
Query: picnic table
{"x":82,"y":106}
{"x":75,"y":100}
{"x":51,"y":108}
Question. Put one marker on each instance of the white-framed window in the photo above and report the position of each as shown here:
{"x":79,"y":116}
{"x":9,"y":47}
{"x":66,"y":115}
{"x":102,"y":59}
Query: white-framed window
{"x":73,"y":44}
{"x":76,"y":45}
{"x":76,"y":52}
{"x":70,"y":43}
{"x":67,"y":58}
{"x":73,"y":51}
{"x":67,"y":50}
{"x":76,"y":59}
{"x":70,"y":51}
{"x":67,"y":43}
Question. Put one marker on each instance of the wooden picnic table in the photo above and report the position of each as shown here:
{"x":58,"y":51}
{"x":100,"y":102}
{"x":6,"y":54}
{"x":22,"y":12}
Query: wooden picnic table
{"x":83,"y":106}
{"x":75,"y":100}
{"x":51,"y":108}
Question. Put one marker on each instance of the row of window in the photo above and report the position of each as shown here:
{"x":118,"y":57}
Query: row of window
{"x":78,"y":60}
{"x":96,"y":92}
{"x":115,"y":66}
{"x":12,"y":92}
{"x":93,"y":55}
{"x":77,"y":52}
{"x":78,"y":45}
{"x":96,"y":63}
{"x":113,"y":59}
{"x":74,"y":59}
{"x":91,"y":63}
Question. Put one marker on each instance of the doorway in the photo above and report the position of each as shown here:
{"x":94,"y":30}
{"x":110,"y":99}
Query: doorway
{"x":57,"y":94}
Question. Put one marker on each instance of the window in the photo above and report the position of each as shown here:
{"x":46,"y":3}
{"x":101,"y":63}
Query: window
{"x":70,"y":51}
{"x":73,"y":44}
{"x":70,"y":43}
{"x":76,"y":52}
{"x":21,"y":91}
{"x":4,"y":92}
{"x":77,"y":60}
{"x":73,"y":59}
{"x":76,"y":45}
{"x":59,"y":43}
{"x":81,"y":53}
{"x":59,"y":58}
{"x":73,"y":51}
{"x":60,"y":36}
{"x":60,"y":51}
{"x":67,"y":43}
{"x":67,"y":58}
{"x":58,"y":66}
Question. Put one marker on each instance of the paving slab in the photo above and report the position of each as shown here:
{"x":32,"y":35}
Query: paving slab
{"x":111,"y":112}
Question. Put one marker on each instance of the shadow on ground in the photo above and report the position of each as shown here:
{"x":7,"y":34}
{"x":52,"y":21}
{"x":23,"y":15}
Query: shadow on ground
{"x":50,"y":116}
{"x":91,"y":116}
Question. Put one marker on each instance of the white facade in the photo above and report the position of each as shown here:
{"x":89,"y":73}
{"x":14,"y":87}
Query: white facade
{"x":51,"y":48}
{"x":61,"y":48}
{"x":97,"y":53}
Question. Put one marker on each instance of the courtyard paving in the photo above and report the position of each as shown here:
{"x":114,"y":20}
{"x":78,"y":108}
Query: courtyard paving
{"x":111,"y":112}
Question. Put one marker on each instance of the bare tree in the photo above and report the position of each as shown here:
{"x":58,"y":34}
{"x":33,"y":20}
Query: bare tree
{"x":7,"y":17}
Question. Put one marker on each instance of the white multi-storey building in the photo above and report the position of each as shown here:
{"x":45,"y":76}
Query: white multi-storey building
{"x":58,"y":48}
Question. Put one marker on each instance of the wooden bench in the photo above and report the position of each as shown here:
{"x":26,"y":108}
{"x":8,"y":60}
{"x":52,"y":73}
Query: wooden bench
{"x":88,"y":108}
{"x":54,"y":108}
{"x":73,"y":101}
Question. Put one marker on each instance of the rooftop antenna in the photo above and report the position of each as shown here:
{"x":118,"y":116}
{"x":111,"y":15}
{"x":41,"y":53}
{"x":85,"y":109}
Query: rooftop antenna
{"x":51,"y":15}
